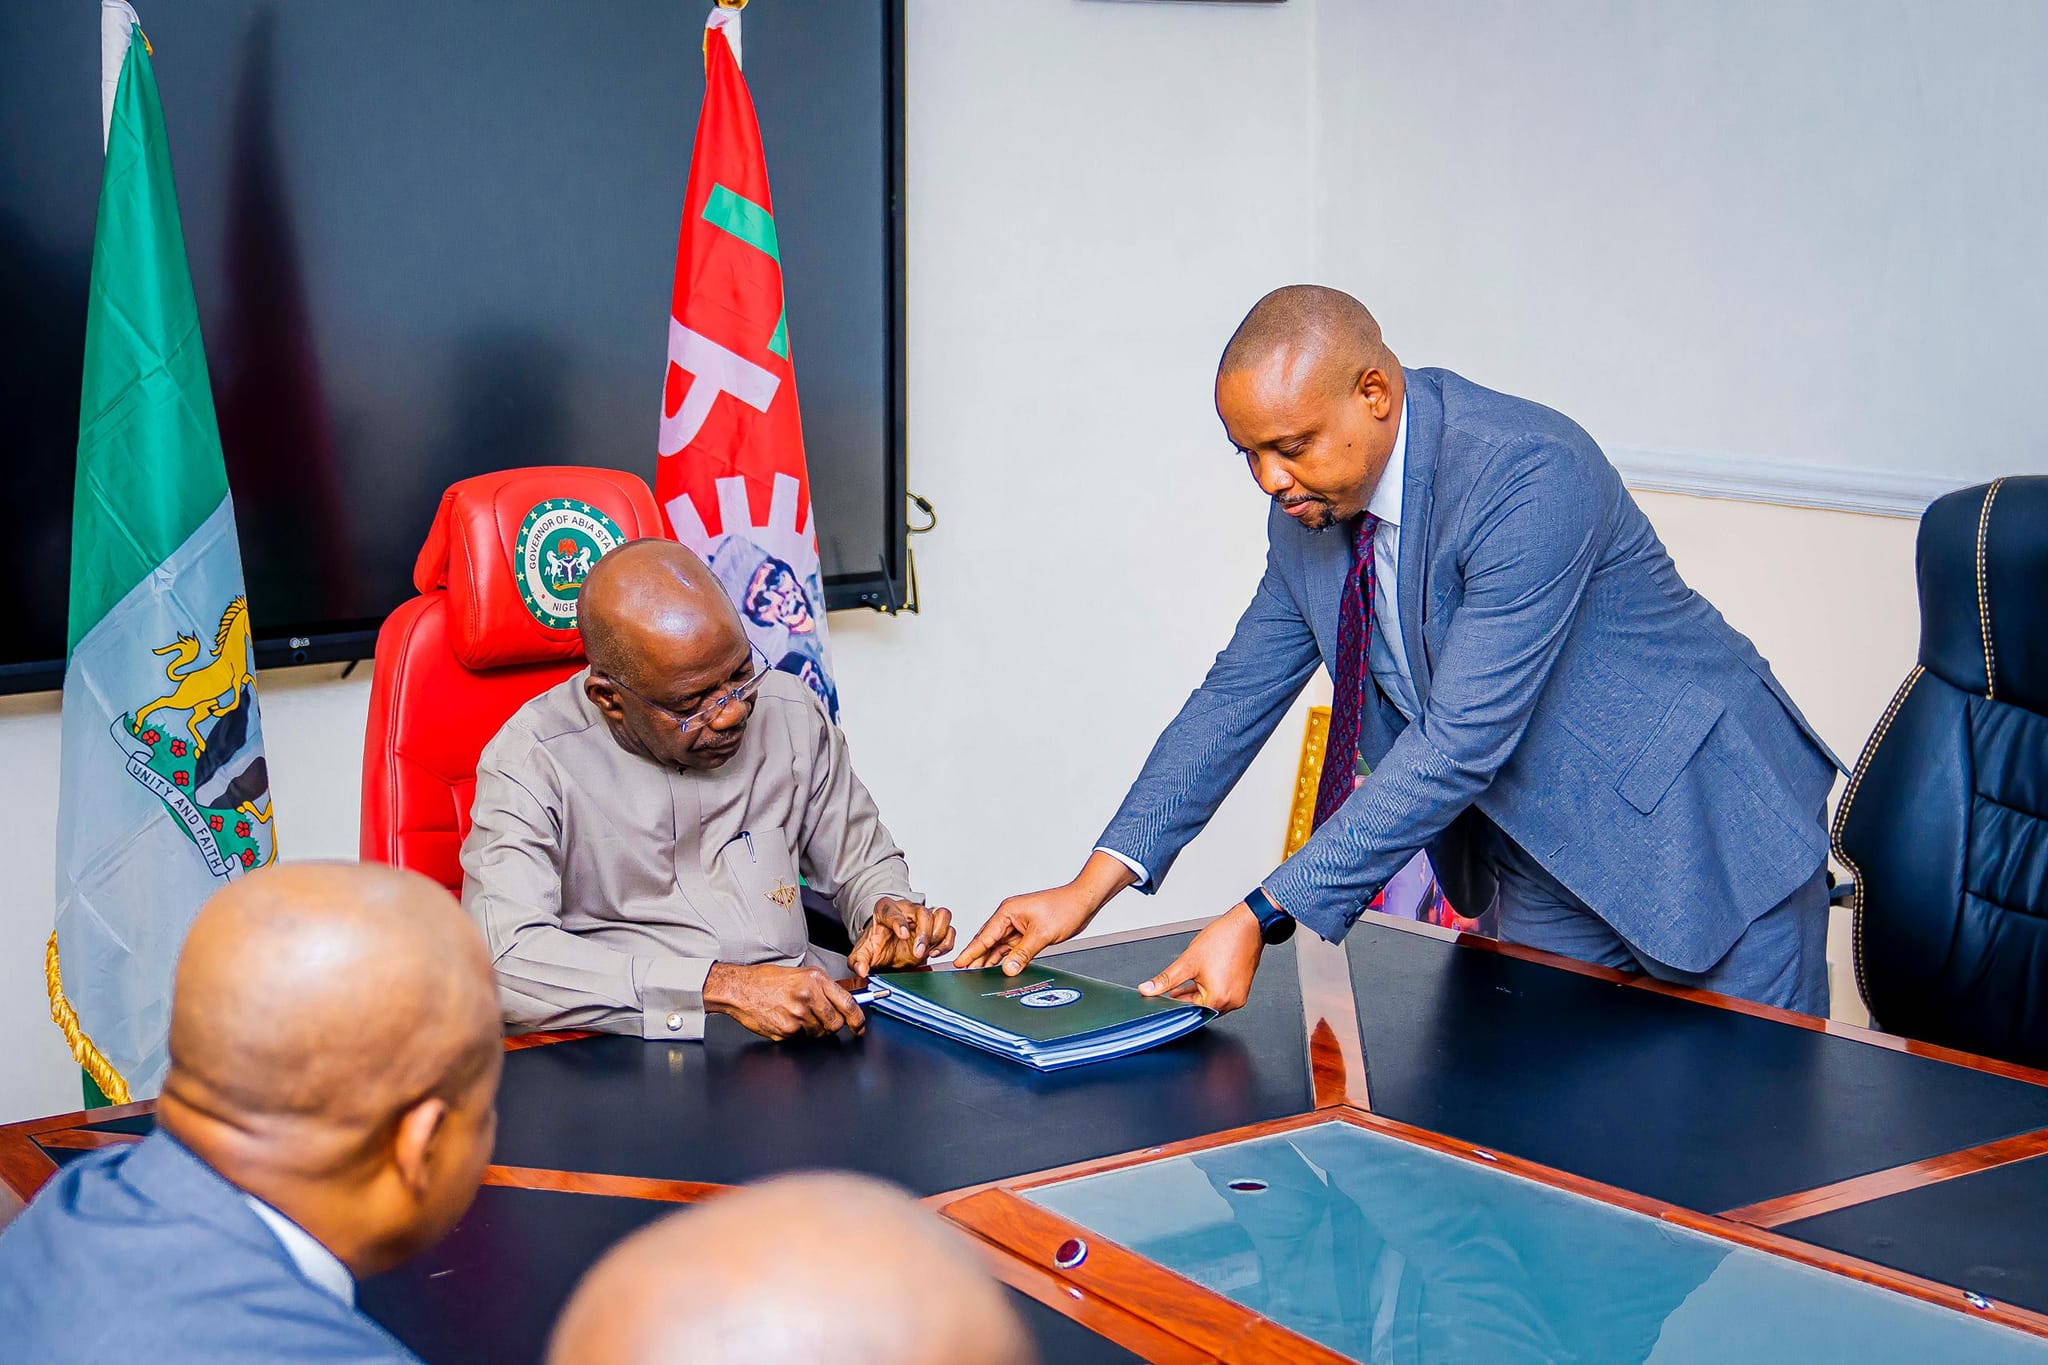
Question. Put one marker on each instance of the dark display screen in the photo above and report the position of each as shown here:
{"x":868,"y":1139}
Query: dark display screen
{"x":432,"y":240}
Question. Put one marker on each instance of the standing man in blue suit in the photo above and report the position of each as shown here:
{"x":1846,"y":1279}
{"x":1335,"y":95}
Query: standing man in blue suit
{"x":1525,"y":687}
{"x":329,"y":1111}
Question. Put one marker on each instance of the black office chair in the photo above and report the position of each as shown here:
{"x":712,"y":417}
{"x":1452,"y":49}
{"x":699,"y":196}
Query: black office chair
{"x":1945,"y":822}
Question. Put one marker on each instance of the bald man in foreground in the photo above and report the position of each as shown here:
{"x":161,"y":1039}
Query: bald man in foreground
{"x":760,"y":1277}
{"x":640,"y":829}
{"x":328,"y":1112}
{"x":1525,"y":687}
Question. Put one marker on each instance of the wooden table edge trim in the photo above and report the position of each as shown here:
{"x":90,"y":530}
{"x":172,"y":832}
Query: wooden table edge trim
{"x":1221,"y":1328}
{"x":83,"y":1139}
{"x":1901,"y":1179}
{"x":1141,"y":1337}
{"x":1335,"y":1038}
{"x":25,"y":1166}
{"x":519,"y":1042}
{"x":613,"y":1186}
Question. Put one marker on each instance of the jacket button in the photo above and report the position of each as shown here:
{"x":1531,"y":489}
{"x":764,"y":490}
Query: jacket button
{"x":675,"y":1023}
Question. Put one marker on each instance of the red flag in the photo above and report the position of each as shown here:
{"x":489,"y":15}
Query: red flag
{"x":731,"y":476}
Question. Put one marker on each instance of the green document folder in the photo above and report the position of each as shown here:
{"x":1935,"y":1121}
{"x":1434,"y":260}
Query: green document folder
{"x":1042,"y":1017}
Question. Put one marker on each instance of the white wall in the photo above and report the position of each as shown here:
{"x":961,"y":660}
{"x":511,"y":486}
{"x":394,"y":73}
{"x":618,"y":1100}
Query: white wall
{"x":1804,"y":232}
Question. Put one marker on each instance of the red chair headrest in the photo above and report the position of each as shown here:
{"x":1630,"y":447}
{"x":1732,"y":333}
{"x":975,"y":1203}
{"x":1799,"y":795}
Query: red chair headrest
{"x":512,"y":549}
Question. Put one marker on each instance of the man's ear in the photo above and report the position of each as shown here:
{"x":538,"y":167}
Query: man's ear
{"x":1378,"y":392}
{"x":604,"y":695}
{"x":413,"y":1146}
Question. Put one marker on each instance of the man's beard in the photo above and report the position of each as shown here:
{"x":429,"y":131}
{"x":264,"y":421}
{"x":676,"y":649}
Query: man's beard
{"x":1321,"y":516}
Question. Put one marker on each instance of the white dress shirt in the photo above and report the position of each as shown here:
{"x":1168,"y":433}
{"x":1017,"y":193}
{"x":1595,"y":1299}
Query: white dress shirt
{"x":314,"y":1260}
{"x":1388,"y":655}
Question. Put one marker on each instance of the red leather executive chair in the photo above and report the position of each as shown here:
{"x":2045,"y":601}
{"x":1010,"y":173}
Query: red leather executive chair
{"x":455,"y":662}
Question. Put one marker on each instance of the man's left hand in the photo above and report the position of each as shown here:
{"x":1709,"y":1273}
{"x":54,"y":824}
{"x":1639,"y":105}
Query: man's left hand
{"x":902,"y":934}
{"x":1217,"y":968}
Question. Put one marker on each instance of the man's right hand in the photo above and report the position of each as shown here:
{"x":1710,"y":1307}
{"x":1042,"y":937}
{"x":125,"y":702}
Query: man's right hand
{"x":782,"y":1002}
{"x":1025,"y":926}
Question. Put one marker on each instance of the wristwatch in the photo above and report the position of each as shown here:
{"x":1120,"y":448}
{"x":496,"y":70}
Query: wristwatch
{"x":1275,"y":924}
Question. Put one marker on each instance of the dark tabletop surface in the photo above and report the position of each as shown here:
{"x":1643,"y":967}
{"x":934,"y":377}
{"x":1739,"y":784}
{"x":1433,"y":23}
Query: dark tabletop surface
{"x":900,"y":1103}
{"x":491,"y":1291}
{"x":1703,"y":1107}
{"x":1986,"y":1232}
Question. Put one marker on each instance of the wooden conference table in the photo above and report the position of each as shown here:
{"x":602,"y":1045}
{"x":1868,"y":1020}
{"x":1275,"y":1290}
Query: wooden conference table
{"x":1387,"y":1144}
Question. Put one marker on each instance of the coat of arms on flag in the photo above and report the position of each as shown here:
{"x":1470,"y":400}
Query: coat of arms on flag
{"x":212,"y":778}
{"x":731,"y":477}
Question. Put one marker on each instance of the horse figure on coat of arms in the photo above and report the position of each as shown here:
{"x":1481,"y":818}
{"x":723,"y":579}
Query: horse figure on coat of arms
{"x":212,"y":688}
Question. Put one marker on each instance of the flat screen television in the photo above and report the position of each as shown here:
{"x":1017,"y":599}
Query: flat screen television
{"x":432,"y":240}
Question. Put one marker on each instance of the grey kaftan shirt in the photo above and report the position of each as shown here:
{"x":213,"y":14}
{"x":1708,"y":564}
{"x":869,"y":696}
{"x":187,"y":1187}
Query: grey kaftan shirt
{"x":607,"y":884}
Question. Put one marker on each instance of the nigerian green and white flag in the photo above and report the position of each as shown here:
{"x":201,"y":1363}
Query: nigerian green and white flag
{"x":164,"y":795}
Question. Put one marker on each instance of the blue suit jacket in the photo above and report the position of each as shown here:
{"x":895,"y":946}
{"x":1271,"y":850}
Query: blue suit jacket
{"x":143,"y":1252}
{"x":1573,"y":690}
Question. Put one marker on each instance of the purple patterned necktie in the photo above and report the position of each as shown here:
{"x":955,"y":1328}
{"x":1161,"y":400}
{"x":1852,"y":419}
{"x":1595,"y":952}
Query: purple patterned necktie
{"x":1354,"y":640}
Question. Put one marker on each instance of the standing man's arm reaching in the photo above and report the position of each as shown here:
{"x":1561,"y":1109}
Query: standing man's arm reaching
{"x":1535,"y":547}
{"x":1314,"y":402}
{"x":1309,"y":393}
{"x":1193,"y":766}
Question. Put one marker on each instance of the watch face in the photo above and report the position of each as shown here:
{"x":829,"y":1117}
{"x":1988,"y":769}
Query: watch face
{"x":1278,"y":929}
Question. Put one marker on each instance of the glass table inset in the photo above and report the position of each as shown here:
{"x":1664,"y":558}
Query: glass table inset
{"x":1384,"y":1250}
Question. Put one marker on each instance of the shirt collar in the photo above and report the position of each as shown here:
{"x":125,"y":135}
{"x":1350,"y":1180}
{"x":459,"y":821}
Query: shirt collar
{"x":1385,"y":502}
{"x":314,"y":1261}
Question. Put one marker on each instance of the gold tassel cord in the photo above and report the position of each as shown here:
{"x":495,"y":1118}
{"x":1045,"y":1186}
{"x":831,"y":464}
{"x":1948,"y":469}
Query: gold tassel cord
{"x":82,"y":1050}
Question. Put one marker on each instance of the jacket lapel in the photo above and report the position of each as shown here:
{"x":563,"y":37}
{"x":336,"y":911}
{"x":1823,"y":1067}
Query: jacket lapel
{"x":1425,"y":441}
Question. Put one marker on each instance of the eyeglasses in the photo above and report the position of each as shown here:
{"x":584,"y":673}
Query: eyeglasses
{"x":702,"y":714}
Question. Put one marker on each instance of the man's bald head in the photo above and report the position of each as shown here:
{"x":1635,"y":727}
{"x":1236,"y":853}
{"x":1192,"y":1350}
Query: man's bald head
{"x":1322,"y":330}
{"x":645,"y":598}
{"x":662,"y":639}
{"x":320,"y":1008}
{"x":784,"y":1272}
{"x":1312,"y":397}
